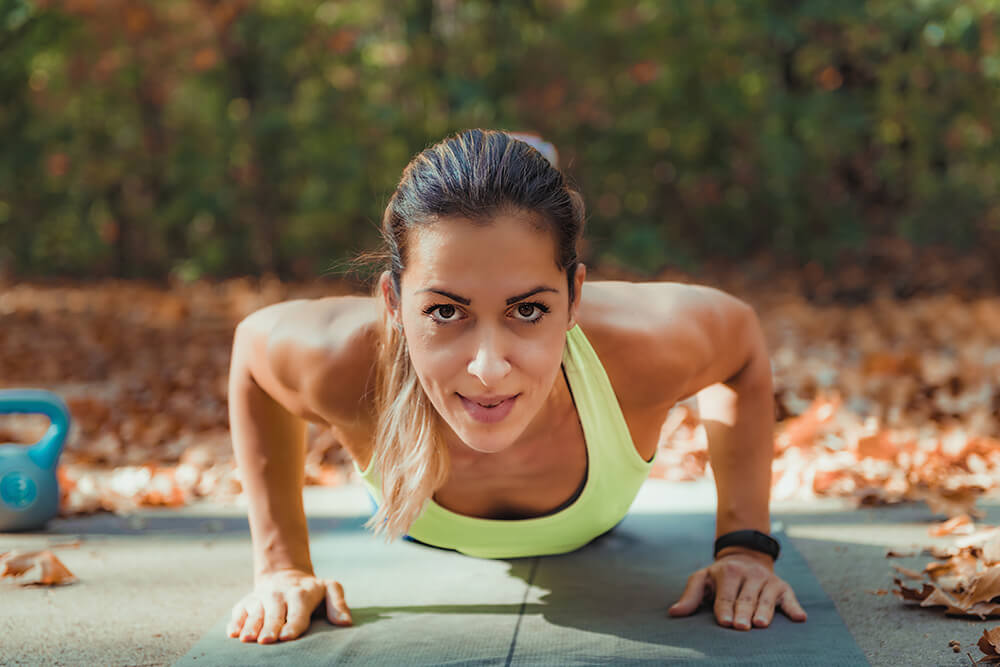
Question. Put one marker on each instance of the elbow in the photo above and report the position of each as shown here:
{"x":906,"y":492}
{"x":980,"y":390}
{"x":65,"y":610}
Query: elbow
{"x":755,"y":367}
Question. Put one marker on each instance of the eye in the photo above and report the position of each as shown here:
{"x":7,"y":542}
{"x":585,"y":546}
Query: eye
{"x":443,"y":313}
{"x":530,"y":312}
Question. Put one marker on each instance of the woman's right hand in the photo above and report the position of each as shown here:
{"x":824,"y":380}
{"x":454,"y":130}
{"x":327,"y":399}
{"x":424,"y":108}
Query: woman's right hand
{"x":281,"y":606}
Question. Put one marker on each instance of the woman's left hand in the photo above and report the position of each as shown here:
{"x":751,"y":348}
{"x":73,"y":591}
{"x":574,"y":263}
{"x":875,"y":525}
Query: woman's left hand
{"x":746,"y":591}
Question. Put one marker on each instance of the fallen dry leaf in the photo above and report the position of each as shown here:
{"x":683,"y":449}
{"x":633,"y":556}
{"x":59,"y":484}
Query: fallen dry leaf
{"x":962,"y":522}
{"x":988,"y":644}
{"x":953,"y":573}
{"x":982,"y":587}
{"x":962,"y":582}
{"x":940,"y":551}
{"x":51,"y":571}
{"x":907,"y":572}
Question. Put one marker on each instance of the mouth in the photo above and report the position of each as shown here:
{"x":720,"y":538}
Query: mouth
{"x":488,"y":409}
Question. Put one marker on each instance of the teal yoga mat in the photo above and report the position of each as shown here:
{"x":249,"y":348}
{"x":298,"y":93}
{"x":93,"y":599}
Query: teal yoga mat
{"x":605,"y":603}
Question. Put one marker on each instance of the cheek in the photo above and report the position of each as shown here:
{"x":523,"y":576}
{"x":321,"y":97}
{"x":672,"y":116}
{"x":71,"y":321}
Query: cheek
{"x":539,"y":359}
{"x":435,"y":364}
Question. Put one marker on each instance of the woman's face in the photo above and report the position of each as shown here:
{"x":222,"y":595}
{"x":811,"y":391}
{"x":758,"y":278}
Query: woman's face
{"x":485,"y":310}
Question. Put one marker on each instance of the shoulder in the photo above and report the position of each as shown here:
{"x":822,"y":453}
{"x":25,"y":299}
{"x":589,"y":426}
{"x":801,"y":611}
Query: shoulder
{"x":664,"y":341}
{"x":319,"y":355}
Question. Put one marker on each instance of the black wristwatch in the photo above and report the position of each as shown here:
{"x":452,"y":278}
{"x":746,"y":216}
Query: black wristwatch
{"x":750,"y":539}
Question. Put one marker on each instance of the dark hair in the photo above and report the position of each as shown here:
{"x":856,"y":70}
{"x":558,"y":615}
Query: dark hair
{"x":478,"y":174}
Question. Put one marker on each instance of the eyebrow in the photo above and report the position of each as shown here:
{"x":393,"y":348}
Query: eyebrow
{"x":514,"y":299}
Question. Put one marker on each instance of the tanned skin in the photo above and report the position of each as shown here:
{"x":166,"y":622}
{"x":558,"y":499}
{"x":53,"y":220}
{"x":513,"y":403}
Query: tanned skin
{"x":312,"y":360}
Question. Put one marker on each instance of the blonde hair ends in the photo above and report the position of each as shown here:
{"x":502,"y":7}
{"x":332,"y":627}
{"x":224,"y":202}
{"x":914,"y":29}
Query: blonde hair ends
{"x":410,"y":455}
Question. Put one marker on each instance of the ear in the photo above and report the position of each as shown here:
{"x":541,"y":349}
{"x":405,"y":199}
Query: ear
{"x":389,"y":296}
{"x":581,"y":273}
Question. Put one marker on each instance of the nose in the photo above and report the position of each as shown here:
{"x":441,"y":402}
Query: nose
{"x":489,"y":363}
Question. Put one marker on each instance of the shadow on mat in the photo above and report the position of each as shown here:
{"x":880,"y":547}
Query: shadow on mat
{"x":620,"y":584}
{"x":607,"y":602}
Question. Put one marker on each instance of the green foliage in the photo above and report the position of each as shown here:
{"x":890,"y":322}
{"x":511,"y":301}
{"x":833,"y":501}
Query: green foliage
{"x":205,"y":139}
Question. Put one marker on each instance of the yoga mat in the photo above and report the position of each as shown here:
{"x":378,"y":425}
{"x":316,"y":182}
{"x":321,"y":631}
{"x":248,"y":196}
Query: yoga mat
{"x":605,"y":603}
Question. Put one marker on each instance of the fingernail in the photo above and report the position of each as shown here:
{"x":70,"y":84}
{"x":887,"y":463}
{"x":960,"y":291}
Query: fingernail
{"x":266,"y":637}
{"x":342,"y":616}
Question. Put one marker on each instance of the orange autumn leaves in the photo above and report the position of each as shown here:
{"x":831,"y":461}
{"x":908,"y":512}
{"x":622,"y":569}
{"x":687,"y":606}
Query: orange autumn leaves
{"x":964,"y":578}
{"x":887,"y":401}
{"x":884,"y":402}
{"x":828,"y":450}
{"x":989,"y":644}
{"x":144,"y":373}
{"x":35,"y":568}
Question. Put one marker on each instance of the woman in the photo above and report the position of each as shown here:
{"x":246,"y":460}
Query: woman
{"x":493,"y":405}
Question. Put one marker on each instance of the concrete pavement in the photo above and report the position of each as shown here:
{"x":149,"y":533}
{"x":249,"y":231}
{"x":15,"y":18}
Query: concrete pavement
{"x":151,"y":584}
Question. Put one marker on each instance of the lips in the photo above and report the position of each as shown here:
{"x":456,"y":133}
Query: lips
{"x":488,"y":409}
{"x":488,"y":401}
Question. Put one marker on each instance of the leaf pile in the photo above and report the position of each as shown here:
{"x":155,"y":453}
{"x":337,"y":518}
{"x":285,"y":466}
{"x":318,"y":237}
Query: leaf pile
{"x":963,"y":578}
{"x":884,"y":402}
{"x":144,"y":374}
{"x":887,"y":401}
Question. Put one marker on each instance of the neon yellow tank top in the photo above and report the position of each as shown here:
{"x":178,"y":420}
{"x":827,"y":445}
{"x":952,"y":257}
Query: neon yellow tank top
{"x":615,"y":471}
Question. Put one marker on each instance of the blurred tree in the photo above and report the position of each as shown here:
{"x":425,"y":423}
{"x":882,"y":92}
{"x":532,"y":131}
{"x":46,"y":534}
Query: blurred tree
{"x":202,"y":137}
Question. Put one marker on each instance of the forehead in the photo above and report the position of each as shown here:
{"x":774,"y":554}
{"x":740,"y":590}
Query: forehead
{"x":507,"y":250}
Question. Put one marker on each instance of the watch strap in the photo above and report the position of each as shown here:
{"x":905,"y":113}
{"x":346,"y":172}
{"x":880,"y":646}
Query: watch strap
{"x":749,"y":539}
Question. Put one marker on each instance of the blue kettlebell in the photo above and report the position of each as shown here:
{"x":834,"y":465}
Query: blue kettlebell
{"x":29,"y":490}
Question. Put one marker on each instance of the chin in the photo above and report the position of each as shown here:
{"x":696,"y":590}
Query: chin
{"x":486,"y":443}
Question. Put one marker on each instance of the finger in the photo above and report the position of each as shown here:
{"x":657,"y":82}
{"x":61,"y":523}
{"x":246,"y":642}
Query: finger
{"x":746,"y":602}
{"x":725,"y":597}
{"x":336,"y":607}
{"x":790,"y":605}
{"x":237,"y":619}
{"x":297,"y":617}
{"x":765,"y":603}
{"x":274,"y":618}
{"x":692,"y":596}
{"x":255,"y":618}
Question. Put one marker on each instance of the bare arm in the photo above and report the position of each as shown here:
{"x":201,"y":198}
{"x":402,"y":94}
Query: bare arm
{"x":738,"y":414}
{"x":726,"y":362}
{"x":292,"y":362}
{"x":307,"y":360}
{"x":269,"y":445}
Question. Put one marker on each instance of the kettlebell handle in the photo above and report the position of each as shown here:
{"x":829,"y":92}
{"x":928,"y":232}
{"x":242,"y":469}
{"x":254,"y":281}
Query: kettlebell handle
{"x":46,"y":451}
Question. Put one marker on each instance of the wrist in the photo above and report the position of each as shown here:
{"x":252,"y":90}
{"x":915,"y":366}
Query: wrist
{"x":758,"y":556}
{"x":263,"y":573}
{"x":749,"y":540}
{"x":288,"y":561}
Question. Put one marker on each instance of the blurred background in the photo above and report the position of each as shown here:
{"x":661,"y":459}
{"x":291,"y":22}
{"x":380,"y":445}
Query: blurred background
{"x":198,"y":138}
{"x":168,"y":167}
